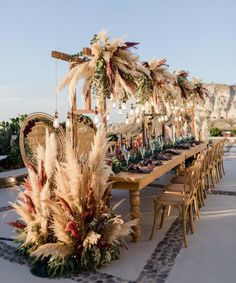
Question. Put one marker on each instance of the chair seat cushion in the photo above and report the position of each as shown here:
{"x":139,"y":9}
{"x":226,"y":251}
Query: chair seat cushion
{"x":177,"y":188}
{"x":178,"y":180}
{"x":171,"y":199}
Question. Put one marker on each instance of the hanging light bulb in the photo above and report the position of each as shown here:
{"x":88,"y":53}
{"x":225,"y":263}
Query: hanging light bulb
{"x":176,"y":118}
{"x":180,"y":118}
{"x":108,"y":116}
{"x":68,"y":120}
{"x":123,"y":106}
{"x":96,"y":120}
{"x":127,"y":119}
{"x":131,"y":110}
{"x":166,"y":117}
{"x":55,"y":122}
{"x":156,"y":110}
{"x":138,"y":120}
{"x":120,"y":111}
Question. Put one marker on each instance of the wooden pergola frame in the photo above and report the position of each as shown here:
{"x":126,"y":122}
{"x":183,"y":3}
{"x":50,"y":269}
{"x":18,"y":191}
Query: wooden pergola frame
{"x":88,"y":101}
{"x":74,"y":111}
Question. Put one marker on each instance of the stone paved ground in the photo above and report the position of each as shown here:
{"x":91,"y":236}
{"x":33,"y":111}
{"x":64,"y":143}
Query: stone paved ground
{"x":210,"y":257}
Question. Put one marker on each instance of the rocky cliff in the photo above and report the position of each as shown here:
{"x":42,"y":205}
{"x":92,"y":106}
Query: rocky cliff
{"x":220,"y":106}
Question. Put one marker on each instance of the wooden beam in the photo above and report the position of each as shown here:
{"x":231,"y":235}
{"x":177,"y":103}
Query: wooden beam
{"x":83,"y":111}
{"x":88,"y":102}
{"x":65,"y":57}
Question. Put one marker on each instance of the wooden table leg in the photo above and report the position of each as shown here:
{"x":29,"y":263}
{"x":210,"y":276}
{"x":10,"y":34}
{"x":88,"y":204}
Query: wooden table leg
{"x":135,"y":213}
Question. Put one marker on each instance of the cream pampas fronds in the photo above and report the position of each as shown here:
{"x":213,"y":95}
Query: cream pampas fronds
{"x":118,"y":229}
{"x":50,"y":154}
{"x":99,"y":170}
{"x":53,"y":249}
{"x":59,"y":223}
{"x":74,"y":176}
{"x":32,"y":205}
{"x":109,"y":68}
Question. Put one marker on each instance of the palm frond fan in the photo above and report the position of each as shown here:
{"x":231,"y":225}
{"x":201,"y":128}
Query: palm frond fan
{"x":33,"y":133}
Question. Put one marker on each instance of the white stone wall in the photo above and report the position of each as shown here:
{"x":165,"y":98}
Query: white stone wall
{"x":221,"y":103}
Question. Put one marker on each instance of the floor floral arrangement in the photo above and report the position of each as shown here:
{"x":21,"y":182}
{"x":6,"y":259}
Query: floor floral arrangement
{"x":66,"y":224}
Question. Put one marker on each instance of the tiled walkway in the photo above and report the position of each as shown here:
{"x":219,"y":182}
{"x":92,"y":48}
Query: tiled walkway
{"x":210,"y":257}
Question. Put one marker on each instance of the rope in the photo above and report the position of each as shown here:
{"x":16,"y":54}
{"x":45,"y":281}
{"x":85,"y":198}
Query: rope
{"x":55,"y":84}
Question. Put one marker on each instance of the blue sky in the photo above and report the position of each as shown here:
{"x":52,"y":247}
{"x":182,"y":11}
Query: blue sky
{"x":198,"y":36}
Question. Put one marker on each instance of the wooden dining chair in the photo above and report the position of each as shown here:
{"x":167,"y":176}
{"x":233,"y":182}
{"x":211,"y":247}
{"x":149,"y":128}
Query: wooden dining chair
{"x":183,"y":201}
{"x":220,"y":159}
{"x":178,"y":181}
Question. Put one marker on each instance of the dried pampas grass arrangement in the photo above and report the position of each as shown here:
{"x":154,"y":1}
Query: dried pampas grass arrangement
{"x":109,"y":68}
{"x":65,"y":222}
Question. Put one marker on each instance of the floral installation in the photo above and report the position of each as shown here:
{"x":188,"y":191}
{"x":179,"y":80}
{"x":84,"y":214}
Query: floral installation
{"x":199,"y":89}
{"x":163,"y":81}
{"x":66,"y":224}
{"x":109,"y":70}
{"x":86,"y":120}
{"x":186,"y":88}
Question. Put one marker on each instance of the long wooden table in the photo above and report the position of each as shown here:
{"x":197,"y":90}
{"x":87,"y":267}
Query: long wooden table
{"x":135,"y":182}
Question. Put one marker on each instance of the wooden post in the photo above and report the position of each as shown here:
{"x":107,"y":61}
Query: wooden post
{"x":88,"y":104}
{"x":104,"y":114}
{"x":135,"y":213}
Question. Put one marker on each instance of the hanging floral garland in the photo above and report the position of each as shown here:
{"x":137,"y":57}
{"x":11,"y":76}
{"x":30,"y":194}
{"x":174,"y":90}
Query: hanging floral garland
{"x":109,"y":68}
{"x":199,"y":89}
{"x":185,"y":86}
{"x":163,"y":81}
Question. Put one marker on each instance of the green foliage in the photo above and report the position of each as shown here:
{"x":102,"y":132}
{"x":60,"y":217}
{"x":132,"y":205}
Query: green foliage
{"x":91,"y":260}
{"x":138,"y":156}
{"x":148,"y":153}
{"x":188,"y":118}
{"x":54,"y":267}
{"x":233,"y":132}
{"x":95,"y":258}
{"x":144,"y":89}
{"x":113,"y":137}
{"x":116,"y":165}
{"x":7,"y":130}
{"x":215,"y":132}
{"x":101,"y":81}
{"x":94,"y":39}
